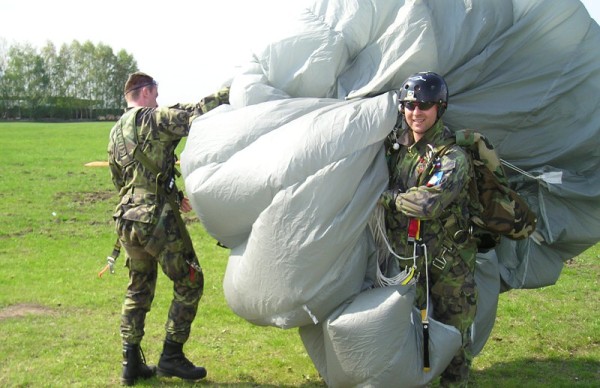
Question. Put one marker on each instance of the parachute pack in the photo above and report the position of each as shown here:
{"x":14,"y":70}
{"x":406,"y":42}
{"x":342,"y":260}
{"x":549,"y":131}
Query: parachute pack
{"x":495,"y":208}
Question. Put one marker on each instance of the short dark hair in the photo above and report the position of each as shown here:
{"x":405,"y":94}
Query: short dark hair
{"x":137,"y":81}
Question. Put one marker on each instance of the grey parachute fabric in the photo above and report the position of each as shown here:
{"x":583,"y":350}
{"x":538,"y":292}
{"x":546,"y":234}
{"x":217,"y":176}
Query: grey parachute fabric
{"x":289,"y":174}
{"x":287,"y":248}
{"x":350,"y":358}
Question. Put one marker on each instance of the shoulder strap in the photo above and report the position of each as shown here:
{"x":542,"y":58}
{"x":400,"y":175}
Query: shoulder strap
{"x":438,"y":153}
{"x":132,"y":147}
{"x":482,"y":150}
{"x":127,"y":141}
{"x":172,"y":195}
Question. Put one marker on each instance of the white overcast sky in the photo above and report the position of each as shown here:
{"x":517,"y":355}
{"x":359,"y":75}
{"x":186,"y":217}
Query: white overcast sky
{"x":189,"y":46}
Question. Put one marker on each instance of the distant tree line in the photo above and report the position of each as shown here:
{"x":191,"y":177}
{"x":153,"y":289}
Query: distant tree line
{"x":76,"y":82}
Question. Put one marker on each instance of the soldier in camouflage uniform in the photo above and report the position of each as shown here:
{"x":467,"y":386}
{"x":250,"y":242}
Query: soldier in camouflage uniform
{"x":142,"y":164}
{"x":427,"y":216}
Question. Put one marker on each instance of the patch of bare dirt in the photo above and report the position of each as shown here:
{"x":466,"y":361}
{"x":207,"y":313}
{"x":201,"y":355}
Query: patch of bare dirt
{"x":86,"y":198}
{"x":23,"y":309}
{"x":18,"y":233}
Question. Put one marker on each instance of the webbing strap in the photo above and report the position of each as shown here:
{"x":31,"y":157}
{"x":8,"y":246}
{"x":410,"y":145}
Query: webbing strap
{"x":170,"y":196}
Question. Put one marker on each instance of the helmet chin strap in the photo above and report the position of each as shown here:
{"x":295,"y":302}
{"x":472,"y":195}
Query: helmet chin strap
{"x":404,"y":124}
{"x":441,"y":109}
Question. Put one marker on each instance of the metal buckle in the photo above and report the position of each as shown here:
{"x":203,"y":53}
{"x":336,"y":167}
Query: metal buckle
{"x":439,"y":262}
{"x":460,"y":236}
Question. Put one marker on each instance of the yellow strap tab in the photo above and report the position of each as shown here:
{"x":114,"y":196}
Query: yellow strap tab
{"x":409,"y":277}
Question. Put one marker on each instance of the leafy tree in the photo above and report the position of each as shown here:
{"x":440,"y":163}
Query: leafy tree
{"x":126,"y":65}
{"x":3,"y":49}
{"x":81,"y":80}
{"x":3,"y":56}
{"x":22,"y":78}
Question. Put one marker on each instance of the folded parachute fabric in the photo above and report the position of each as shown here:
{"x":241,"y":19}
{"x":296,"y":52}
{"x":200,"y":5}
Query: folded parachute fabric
{"x":376,"y":340}
{"x":291,"y":201}
{"x":235,"y":161}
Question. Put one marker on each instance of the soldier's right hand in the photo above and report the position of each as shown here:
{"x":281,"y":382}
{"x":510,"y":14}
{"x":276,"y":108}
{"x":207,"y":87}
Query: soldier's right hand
{"x":185,"y":205}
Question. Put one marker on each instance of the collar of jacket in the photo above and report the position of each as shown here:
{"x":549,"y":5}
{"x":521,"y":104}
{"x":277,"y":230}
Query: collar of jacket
{"x":432,"y":136}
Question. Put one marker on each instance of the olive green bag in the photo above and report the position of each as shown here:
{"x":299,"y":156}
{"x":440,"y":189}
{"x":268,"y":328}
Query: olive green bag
{"x":496,"y":209}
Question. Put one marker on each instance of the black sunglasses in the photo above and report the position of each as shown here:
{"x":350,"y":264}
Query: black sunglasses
{"x":423,"y":105}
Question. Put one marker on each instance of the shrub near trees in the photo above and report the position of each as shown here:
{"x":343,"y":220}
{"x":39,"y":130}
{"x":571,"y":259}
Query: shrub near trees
{"x":77,"y":82}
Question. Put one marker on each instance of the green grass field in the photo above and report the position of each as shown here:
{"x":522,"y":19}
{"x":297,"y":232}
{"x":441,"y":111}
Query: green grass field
{"x":59,"y":322}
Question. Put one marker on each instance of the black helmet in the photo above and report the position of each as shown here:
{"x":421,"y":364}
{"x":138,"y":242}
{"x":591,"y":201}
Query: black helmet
{"x":426,"y":87}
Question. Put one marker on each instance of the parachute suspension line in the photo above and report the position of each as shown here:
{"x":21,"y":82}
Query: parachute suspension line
{"x":377,"y":226}
{"x":519,"y":170}
{"x":405,"y":277}
{"x":545,"y":179}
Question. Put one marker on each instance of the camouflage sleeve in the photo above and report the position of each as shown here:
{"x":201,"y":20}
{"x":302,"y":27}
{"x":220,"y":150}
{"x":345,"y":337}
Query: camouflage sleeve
{"x":440,"y":190}
{"x":115,"y":175}
{"x":115,"y":172}
{"x":190,"y":108}
{"x":214,"y":100}
{"x":173,"y":122}
{"x":208,"y":103}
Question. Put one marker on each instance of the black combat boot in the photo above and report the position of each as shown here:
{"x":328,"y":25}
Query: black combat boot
{"x":173,"y":363}
{"x":134,"y":365}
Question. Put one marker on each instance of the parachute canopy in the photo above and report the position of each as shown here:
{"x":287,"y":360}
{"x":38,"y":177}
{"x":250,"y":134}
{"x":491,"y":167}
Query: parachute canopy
{"x":289,"y":174}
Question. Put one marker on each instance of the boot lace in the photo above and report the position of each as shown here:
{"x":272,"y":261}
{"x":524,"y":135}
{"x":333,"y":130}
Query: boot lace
{"x":185,"y":362}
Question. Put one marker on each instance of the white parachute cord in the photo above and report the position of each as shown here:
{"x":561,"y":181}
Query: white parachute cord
{"x":377,"y":226}
{"x":519,"y":170}
{"x":545,"y":178}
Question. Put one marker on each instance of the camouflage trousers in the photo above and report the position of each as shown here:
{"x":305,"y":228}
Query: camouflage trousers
{"x":147,"y":246}
{"x":453,"y":301}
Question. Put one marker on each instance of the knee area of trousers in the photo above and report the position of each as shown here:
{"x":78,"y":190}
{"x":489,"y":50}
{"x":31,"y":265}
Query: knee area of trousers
{"x":192,"y":284}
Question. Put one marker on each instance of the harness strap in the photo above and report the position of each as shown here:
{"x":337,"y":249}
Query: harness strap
{"x":171,"y":195}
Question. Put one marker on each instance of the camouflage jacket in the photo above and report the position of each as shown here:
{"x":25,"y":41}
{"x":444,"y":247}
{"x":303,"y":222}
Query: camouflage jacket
{"x":157,"y":131}
{"x":432,"y":191}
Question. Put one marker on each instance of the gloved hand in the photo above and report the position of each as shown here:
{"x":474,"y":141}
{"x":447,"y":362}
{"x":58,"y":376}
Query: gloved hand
{"x":214,"y":100}
{"x":388,"y":199}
